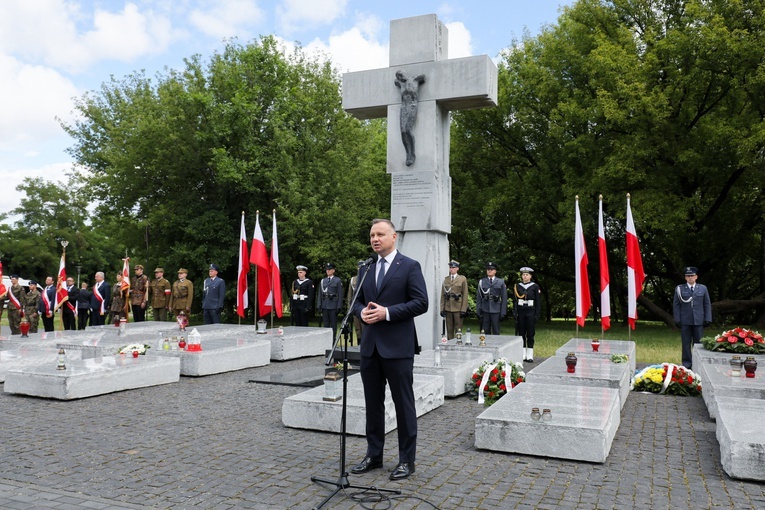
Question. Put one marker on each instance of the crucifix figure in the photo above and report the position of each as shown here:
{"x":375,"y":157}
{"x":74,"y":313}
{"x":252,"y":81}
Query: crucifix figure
{"x":421,"y":201}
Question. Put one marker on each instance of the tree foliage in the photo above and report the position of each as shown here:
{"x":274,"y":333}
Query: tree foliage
{"x":663,"y":100}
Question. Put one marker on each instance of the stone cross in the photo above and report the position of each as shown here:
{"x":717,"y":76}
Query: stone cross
{"x":421,"y":190}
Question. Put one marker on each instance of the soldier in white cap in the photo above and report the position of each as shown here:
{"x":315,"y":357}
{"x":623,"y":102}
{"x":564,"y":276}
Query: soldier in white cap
{"x":301,"y":303}
{"x":526,"y":309}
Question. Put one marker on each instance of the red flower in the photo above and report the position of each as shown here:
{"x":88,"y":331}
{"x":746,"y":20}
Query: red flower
{"x":748,"y":341}
{"x":491,"y":394}
{"x":720,"y":339}
{"x":732,"y":339}
{"x":744,"y":334}
{"x":495,"y":371}
{"x":477,"y":377}
{"x":520,"y":379}
{"x":503,"y":387}
{"x":738,"y":330}
{"x":494,"y":378}
{"x":690,"y":380}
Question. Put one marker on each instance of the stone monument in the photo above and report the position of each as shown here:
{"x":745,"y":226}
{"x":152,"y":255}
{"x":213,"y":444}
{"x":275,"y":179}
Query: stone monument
{"x":421,"y":186}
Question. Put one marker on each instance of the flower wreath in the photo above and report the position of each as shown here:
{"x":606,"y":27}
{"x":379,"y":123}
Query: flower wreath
{"x":739,"y":340}
{"x":489,"y":381}
{"x":128,"y":349}
{"x":667,"y":378}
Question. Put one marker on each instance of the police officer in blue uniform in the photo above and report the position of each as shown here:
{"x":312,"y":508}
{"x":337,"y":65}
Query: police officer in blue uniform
{"x":330,"y":298}
{"x":491,"y":300}
{"x":693,"y":312}
{"x":213,"y":294}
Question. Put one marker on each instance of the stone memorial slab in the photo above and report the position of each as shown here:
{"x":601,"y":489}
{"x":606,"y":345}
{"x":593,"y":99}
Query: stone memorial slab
{"x":308,"y":410}
{"x":583,"y":423}
{"x":456,"y":367}
{"x":25,"y":357}
{"x":509,"y":347}
{"x":583,"y":347}
{"x":219,"y":355}
{"x":740,"y":434}
{"x":590,"y":371}
{"x":701,"y":355}
{"x":717,"y":384}
{"x":90,"y":377}
{"x":295,"y":341}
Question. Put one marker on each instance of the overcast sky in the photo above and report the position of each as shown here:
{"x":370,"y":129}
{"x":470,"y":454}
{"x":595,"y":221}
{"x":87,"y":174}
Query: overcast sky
{"x":54,"y":50}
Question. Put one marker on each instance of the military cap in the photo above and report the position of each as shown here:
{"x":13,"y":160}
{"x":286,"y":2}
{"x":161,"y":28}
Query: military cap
{"x":690,"y":270}
{"x":183,"y":270}
{"x":159,"y":270}
{"x":14,"y":276}
{"x":31,"y":282}
{"x":491,"y":265}
{"x":213,"y":267}
{"x":329,"y":265}
{"x":138,"y":266}
{"x":301,"y":268}
{"x":526,"y":269}
{"x":454,"y":263}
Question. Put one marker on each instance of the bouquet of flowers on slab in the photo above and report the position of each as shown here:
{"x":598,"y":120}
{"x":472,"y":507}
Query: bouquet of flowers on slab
{"x":738,"y":340}
{"x":489,"y":381}
{"x":667,"y":378}
{"x":129,"y":349}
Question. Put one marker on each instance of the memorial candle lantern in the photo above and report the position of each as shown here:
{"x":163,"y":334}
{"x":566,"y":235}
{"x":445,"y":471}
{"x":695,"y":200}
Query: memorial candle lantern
{"x":332,"y":388}
{"x":437,"y":357}
{"x":182,"y":343}
{"x":24,"y":327}
{"x":482,"y":338}
{"x":571,"y":363}
{"x":135,"y":354}
{"x":195,"y":341}
{"x":546,"y":415}
{"x":468,"y":337}
{"x":535,"y":414}
{"x":458,"y":335}
{"x":123,"y":327}
{"x":735,"y":366}
{"x":750,"y":366}
{"x":595,"y":344}
{"x":261,"y":327}
{"x":61,"y":360}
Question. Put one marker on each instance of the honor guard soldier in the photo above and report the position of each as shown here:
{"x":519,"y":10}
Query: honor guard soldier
{"x":159,"y":295}
{"x":526,"y":309}
{"x":330,"y":298}
{"x":183,"y":294}
{"x":213,"y":296}
{"x":33,"y":303}
{"x":454,"y":299}
{"x":302,"y":297}
{"x":491,"y":300}
{"x":17,"y":298}
{"x":693,"y":312}
{"x":139,"y":294}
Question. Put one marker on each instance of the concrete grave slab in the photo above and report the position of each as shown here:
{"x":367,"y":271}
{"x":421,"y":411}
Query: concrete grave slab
{"x":295,"y":341}
{"x":702,"y":355}
{"x":740,"y":434}
{"x":456,"y":367}
{"x":582,"y":347}
{"x":717,"y":384}
{"x":509,"y":347}
{"x":220,"y":355}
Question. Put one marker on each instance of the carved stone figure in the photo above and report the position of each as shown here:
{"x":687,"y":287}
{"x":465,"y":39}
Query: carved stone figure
{"x":409,"y":94}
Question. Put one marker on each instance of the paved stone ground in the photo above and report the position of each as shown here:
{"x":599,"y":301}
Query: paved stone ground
{"x":217,"y":442}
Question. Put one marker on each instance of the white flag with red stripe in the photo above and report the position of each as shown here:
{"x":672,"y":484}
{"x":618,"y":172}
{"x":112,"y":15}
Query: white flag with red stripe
{"x":582,"y":280}
{"x":242,"y":299}
{"x":276,"y":279}
{"x":259,"y":257}
{"x":62,"y":295}
{"x":605,"y":298}
{"x":635,"y":273}
{"x":3,"y":290}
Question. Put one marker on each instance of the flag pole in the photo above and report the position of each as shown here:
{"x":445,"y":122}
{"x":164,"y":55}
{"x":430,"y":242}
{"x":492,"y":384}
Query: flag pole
{"x":256,"y":309}
{"x":273,"y":290}
{"x":64,"y":244}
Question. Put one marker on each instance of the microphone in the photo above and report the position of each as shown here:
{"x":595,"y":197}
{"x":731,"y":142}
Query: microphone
{"x":369,"y":261}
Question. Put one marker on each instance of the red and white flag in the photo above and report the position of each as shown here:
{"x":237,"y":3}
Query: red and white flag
{"x":605,"y":298}
{"x":242,"y":300}
{"x":62,"y":295}
{"x":125,"y":285}
{"x":276,"y":279}
{"x":582,"y":281}
{"x":3,"y":290}
{"x":635,"y":273}
{"x":259,"y":258}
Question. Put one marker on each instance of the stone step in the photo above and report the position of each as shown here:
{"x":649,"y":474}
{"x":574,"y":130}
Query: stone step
{"x":90,"y":377}
{"x":590,"y":371}
{"x":702,"y":355}
{"x":220,"y":355}
{"x":509,"y":347}
{"x":308,"y":409}
{"x":583,"y":425}
{"x":717,"y":385}
{"x":456,"y":367}
{"x":582,"y":347}
{"x":740,"y":434}
{"x":295,"y":341}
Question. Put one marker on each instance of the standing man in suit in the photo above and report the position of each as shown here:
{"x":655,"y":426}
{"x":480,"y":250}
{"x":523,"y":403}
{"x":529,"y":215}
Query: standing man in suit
{"x":83,"y":306}
{"x":454,"y":299}
{"x":491,"y":300}
{"x":301,"y":303}
{"x":392,"y":295}
{"x":213,"y":294}
{"x":47,"y":304}
{"x":99,"y":301}
{"x":693,"y":312}
{"x":330,"y":298}
{"x":69,"y":309}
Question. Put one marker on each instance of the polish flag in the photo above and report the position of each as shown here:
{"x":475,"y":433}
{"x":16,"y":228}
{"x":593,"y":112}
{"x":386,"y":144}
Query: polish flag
{"x":276,"y":279}
{"x":3,"y":289}
{"x":242,"y":300}
{"x":635,"y":274}
{"x":605,"y":298}
{"x":62,"y":295}
{"x":582,"y":281}
{"x":259,"y":258}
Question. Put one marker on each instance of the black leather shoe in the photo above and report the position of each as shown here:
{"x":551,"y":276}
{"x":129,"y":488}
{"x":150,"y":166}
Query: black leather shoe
{"x":403,"y":470}
{"x":368,"y":464}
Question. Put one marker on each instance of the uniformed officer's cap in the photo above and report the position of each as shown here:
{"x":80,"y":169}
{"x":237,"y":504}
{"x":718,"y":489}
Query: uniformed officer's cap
{"x":526,"y":269}
{"x":301,"y":268}
{"x":138,"y":266}
{"x":14,"y":276}
{"x":183,"y":270}
{"x":690,"y":270}
{"x":454,"y":263}
{"x":213,"y":267}
{"x":329,"y":265}
{"x":31,"y":282}
{"x":159,"y":270}
{"x":491,"y":265}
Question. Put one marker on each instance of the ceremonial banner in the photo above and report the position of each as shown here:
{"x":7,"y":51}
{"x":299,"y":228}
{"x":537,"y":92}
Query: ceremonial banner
{"x":259,"y":257}
{"x":605,"y":298}
{"x":242,"y":300}
{"x":276,"y":279}
{"x":582,"y":280}
{"x":635,"y":274}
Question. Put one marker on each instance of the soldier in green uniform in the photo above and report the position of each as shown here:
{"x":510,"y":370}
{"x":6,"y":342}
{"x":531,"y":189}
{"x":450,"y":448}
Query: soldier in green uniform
{"x":454,"y":299}
{"x":139,"y":294}
{"x":159,"y":295}
{"x":118,"y":307}
{"x":183,"y":294}
{"x":32,"y":303}
{"x":17,"y":298}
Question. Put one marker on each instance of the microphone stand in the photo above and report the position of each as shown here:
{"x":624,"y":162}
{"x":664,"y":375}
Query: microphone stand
{"x":342,"y":480}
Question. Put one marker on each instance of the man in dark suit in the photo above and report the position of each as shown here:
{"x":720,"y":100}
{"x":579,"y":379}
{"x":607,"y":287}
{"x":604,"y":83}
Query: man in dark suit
{"x":693,"y":311}
{"x":99,"y":301}
{"x":69,"y":309}
{"x":47,"y":304}
{"x":392,"y":295}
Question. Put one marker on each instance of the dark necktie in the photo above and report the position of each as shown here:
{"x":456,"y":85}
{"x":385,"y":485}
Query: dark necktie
{"x":381,"y":273}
